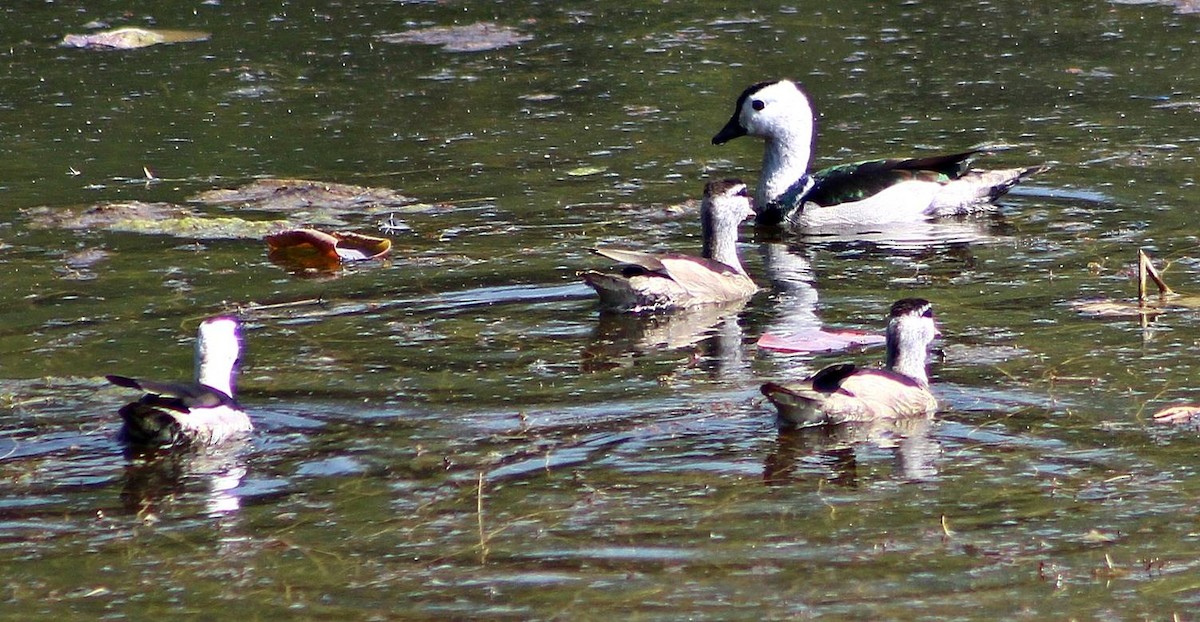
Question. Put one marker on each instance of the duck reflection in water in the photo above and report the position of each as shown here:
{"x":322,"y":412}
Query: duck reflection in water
{"x":834,"y":451}
{"x":714,"y":333}
{"x":793,"y":290}
{"x":156,"y":479}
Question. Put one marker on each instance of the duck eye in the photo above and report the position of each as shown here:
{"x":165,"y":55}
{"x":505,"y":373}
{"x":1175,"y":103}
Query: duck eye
{"x":758,"y":104}
{"x":928,"y":312}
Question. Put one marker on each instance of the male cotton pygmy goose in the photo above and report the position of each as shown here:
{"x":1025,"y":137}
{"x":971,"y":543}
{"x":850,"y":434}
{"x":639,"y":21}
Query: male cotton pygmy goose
{"x":200,"y":412}
{"x":664,"y":281}
{"x":868,"y":193}
{"x":845,"y":393}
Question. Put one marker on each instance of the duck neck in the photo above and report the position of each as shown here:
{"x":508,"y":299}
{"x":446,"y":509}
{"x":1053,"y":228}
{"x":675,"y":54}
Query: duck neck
{"x":720,"y":238}
{"x":785,"y":159}
{"x":215,"y":368}
{"x":906,"y":357}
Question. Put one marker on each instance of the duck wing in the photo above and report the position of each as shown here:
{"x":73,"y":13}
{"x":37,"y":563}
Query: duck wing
{"x":884,"y":394}
{"x":830,"y":378}
{"x":856,"y":181}
{"x":181,"y":396}
{"x":690,"y":272}
{"x":647,"y":262}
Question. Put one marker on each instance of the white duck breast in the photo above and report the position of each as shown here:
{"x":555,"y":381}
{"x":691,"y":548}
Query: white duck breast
{"x":200,"y":412}
{"x":664,"y":281}
{"x":867,"y":193}
{"x":844,"y":393}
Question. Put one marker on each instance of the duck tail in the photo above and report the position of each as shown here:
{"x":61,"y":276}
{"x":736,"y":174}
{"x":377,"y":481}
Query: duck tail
{"x":614,"y":290}
{"x":961,"y":195}
{"x":797,"y":407}
{"x":1001,"y":181}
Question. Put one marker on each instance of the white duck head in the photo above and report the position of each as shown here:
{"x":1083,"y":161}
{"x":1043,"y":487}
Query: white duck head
{"x":780,"y":113}
{"x":910,"y":330}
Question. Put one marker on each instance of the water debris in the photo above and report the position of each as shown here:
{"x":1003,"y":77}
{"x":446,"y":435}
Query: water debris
{"x":1182,"y":413}
{"x":314,"y":249}
{"x":131,"y":38}
{"x":1146,"y":270}
{"x":477,"y":37}
{"x":586,"y":171}
{"x":151,"y":218}
{"x":77,"y":266}
{"x":85,"y":258}
{"x":1182,"y":7}
{"x":391,"y":225}
{"x":1143,"y":307}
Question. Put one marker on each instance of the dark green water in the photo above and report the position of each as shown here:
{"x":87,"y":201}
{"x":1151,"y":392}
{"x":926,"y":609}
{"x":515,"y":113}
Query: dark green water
{"x":455,"y":433}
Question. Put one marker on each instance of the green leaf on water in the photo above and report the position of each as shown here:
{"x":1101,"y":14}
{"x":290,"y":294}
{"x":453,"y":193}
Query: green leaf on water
{"x":152,"y":218}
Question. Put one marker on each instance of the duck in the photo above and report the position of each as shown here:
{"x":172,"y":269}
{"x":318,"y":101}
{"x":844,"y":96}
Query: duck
{"x":844,"y":392}
{"x":867,"y":193}
{"x":203,"y":412}
{"x":650,"y":282}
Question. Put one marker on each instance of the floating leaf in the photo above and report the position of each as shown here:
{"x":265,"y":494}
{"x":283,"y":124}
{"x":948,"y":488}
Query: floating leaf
{"x":152,"y":218}
{"x":310,"y":248}
{"x":314,"y":202}
{"x":131,"y":38}
{"x":476,"y":37}
{"x":291,"y":194}
{"x":817,"y":340}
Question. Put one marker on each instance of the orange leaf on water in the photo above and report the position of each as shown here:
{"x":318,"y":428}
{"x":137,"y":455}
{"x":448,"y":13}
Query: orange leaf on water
{"x":310,"y":248}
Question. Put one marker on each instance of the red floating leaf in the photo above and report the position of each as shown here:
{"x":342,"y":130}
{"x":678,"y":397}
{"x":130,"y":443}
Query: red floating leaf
{"x":817,"y":340}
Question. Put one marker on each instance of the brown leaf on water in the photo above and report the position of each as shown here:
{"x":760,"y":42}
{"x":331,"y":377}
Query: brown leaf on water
{"x":131,"y":38}
{"x":315,"y":203}
{"x":314,"y":249}
{"x":477,"y":37}
{"x":285,"y":195}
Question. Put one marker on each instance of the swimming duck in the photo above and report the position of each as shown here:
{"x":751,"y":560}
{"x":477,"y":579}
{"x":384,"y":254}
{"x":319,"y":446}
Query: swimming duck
{"x":844,"y":392}
{"x":663,"y":281}
{"x":200,"y":412}
{"x":868,"y":193}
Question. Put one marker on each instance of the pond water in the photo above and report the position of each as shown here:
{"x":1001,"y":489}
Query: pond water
{"x":456,"y":432}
